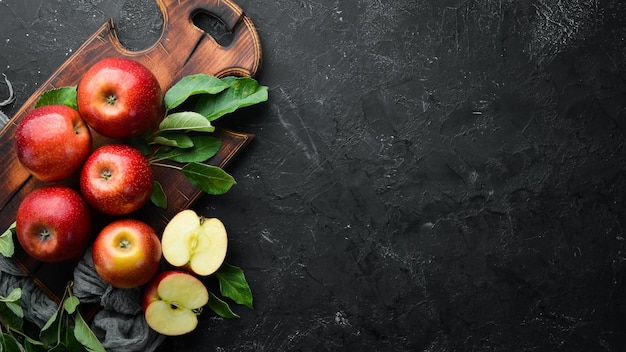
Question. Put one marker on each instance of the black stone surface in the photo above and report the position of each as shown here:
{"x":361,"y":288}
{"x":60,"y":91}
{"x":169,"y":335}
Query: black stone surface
{"x":428,"y":175}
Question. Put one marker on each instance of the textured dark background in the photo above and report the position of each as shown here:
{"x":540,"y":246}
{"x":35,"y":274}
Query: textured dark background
{"x":428,"y":175}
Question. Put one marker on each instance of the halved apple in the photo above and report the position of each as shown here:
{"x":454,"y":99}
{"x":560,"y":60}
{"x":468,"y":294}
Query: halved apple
{"x":195,"y":243}
{"x":173,"y":301}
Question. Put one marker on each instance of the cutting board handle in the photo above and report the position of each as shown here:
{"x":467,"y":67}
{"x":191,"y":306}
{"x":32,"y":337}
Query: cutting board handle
{"x":186,"y":47}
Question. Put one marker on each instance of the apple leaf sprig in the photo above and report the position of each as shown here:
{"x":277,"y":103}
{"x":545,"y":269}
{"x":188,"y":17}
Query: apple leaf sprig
{"x":65,"y":330}
{"x":232,"y":284}
{"x":184,"y":140}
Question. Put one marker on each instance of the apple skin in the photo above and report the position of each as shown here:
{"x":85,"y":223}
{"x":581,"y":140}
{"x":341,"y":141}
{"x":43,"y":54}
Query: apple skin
{"x":120,"y":98}
{"x":127,"y":253}
{"x":52,"y":142}
{"x":172,"y":301}
{"x":53,"y":224}
{"x":116,"y":179}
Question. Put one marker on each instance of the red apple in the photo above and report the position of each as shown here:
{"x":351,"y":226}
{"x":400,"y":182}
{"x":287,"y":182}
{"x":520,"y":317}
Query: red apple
{"x":53,"y":224}
{"x":52,"y":142}
{"x":172,"y":302}
{"x":116,"y":179}
{"x":127,"y":253}
{"x":120,"y":98}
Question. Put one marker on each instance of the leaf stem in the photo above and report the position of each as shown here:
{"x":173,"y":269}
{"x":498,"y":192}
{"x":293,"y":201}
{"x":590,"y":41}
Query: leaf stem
{"x":154,"y":160}
{"x":166,"y":165}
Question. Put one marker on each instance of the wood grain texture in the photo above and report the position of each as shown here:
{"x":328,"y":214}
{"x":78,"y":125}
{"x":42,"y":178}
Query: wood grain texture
{"x":182,"y":49}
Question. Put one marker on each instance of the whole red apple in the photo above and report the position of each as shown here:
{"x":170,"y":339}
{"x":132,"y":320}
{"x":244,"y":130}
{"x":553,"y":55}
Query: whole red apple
{"x":127,"y":253}
{"x":120,"y":98}
{"x":52,"y":142}
{"x":173,"y":301}
{"x":116,"y":179}
{"x":53,"y":224}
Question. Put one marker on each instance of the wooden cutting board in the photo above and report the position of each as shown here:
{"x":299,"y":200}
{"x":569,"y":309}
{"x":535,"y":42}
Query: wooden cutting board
{"x":182,"y":49}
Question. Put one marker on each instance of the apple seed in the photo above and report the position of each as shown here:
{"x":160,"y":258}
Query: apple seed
{"x":194,"y":242}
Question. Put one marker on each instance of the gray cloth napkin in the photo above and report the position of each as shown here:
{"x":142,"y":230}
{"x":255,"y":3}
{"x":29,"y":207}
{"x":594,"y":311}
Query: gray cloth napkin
{"x":120,"y":325}
{"x":37,"y":306}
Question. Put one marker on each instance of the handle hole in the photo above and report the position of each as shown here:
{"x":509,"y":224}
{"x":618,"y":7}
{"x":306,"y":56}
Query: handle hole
{"x":214,"y":27}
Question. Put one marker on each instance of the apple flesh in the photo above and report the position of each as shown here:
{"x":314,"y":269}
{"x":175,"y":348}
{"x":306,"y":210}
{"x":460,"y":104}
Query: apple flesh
{"x":172,"y":302}
{"x":53,"y":224}
{"x":52,"y":142}
{"x":127,"y":253}
{"x":120,"y":98}
{"x":195,"y":243}
{"x":116,"y":179}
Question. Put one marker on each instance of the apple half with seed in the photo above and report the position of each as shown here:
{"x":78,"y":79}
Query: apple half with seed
{"x":173,"y":301}
{"x":195,"y":243}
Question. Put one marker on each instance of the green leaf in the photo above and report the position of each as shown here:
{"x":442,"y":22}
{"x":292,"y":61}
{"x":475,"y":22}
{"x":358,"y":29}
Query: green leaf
{"x":233,"y":284}
{"x":141,"y":143}
{"x":60,"y":348}
{"x":70,"y":304}
{"x":68,"y":339}
{"x":192,"y":85}
{"x":58,"y":96}
{"x":7,"y":246}
{"x":32,"y":345}
{"x":174,"y":139}
{"x":16,"y":309}
{"x":186,"y":121}
{"x":49,"y":333}
{"x":220,"y":307}
{"x":9,"y":317}
{"x":10,"y":310}
{"x":85,"y":336}
{"x":8,"y":343}
{"x":204,"y":148}
{"x":13,"y":296}
{"x":210,"y":179}
{"x":241,"y":92}
{"x":158,"y":196}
